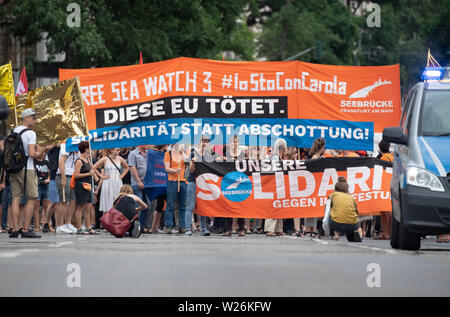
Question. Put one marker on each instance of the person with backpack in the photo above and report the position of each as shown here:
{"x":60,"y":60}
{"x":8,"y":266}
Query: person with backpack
{"x":20,"y":150}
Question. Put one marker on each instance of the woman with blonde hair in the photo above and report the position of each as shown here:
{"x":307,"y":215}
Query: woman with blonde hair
{"x":126,"y":203}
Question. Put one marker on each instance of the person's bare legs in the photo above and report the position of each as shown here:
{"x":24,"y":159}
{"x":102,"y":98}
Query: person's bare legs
{"x":156,"y":221}
{"x":78,"y":215}
{"x":60,"y":213}
{"x":50,"y":209}
{"x":385,"y":224}
{"x":336,"y":236}
{"x":29,"y":210}
{"x":92,"y":213}
{"x":21,"y":218}
{"x":15,"y":213}
{"x":36,"y":215}
{"x":87,"y":215}
{"x":70,"y":211}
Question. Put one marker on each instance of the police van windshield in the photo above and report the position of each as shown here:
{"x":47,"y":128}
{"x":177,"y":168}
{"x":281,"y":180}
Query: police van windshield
{"x":435,"y":115}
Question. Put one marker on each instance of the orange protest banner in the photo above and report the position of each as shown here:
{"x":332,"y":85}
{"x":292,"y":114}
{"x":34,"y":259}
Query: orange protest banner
{"x":188,"y":88}
{"x":289,"y":189}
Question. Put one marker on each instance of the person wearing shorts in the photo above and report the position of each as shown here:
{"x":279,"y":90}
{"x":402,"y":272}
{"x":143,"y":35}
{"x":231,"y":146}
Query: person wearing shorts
{"x":66,"y":206}
{"x":43,"y":173}
{"x":18,"y":180}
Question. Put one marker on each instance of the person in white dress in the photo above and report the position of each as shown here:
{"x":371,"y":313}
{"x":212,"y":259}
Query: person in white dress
{"x":115,"y":170}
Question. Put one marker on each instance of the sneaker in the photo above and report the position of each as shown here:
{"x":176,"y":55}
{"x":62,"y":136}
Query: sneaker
{"x":63,"y":229}
{"x":46,"y":228}
{"x":181,"y":230}
{"x":71,"y":228}
{"x":136,"y":229}
{"x":160,"y":231}
{"x":205,"y":233}
{"x":174,"y":231}
{"x":168,"y":231}
{"x":14,"y":234}
{"x":30,"y":234}
{"x":188,"y":233}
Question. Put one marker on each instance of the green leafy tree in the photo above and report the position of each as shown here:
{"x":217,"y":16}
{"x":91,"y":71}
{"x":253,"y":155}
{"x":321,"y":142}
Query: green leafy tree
{"x":114,"y":32}
{"x":300,"y":25}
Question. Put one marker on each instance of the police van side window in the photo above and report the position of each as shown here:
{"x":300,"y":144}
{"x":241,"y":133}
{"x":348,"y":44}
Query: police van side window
{"x":412,"y":109}
{"x":407,"y":113}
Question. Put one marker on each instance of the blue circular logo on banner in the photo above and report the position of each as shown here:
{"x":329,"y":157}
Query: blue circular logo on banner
{"x":236,"y":186}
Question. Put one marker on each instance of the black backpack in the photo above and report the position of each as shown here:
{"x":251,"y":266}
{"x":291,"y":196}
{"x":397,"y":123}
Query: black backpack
{"x":15,"y":158}
{"x":53,"y":158}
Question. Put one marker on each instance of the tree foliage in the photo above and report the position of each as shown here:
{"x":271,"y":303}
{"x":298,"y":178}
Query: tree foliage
{"x":408,"y":29}
{"x":114,"y":32}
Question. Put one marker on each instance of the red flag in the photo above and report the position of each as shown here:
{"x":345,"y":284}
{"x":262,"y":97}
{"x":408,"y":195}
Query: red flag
{"x":140,"y":58}
{"x":22,"y":87}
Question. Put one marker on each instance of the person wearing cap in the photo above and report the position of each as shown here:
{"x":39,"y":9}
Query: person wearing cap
{"x":17,"y":179}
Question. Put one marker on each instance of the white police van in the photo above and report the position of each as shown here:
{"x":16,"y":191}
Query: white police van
{"x":420,"y":186}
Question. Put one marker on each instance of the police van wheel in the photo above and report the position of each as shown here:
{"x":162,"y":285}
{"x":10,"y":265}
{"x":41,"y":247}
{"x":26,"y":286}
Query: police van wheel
{"x":408,"y":240}
{"x":395,"y":227}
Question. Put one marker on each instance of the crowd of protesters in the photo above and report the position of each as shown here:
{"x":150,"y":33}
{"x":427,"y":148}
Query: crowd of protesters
{"x":41,"y":198}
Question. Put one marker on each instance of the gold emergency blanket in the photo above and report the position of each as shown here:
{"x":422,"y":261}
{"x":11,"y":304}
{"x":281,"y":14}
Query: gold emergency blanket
{"x":59,"y":111}
{"x":7,"y":84}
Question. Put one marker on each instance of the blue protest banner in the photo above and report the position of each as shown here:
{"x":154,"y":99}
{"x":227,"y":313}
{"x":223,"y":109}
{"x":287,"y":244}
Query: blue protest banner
{"x":155,"y":182}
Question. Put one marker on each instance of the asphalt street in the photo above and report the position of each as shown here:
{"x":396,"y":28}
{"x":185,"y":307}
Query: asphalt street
{"x":255,"y":265}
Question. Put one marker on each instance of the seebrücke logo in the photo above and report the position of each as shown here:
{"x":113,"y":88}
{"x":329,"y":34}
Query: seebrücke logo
{"x":236,"y":186}
{"x":364,"y":92}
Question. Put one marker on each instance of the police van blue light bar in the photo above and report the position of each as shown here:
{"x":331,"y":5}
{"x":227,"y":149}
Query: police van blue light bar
{"x":433,"y":73}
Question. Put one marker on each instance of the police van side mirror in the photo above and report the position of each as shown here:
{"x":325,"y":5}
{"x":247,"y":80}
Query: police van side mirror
{"x":395,"y":135}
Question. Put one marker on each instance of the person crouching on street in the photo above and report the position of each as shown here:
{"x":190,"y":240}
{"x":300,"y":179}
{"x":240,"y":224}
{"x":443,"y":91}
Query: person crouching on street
{"x":344,"y":213}
{"x":126,"y":204}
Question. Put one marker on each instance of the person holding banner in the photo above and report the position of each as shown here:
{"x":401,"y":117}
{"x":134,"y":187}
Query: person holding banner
{"x":83,"y":173}
{"x":160,"y":199}
{"x":385,"y":216}
{"x":174,"y":162}
{"x":115,"y":170}
{"x":198,"y":154}
{"x":233,"y":152}
{"x":317,"y":150}
{"x":274,"y":227}
{"x":137,"y":161}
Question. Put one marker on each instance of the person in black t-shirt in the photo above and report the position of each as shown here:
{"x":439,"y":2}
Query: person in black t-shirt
{"x":43,"y":173}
